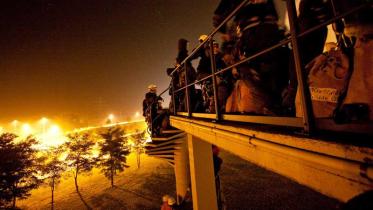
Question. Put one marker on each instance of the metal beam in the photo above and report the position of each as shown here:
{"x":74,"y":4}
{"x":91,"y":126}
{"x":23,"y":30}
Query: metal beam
{"x":280,"y":121}
{"x":202,"y":174}
{"x":182,"y":173}
{"x":339,"y":171}
{"x":268,"y":120}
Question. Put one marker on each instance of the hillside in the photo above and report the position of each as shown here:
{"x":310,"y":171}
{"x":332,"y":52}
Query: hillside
{"x":244,"y":186}
{"x":135,"y":189}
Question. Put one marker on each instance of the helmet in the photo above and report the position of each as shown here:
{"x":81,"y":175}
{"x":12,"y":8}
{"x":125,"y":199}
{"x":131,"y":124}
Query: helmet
{"x":165,"y":198}
{"x":171,"y":201}
{"x":152,"y":87}
{"x":202,"y":38}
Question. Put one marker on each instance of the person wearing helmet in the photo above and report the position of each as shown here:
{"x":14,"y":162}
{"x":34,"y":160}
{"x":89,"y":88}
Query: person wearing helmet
{"x":204,"y":65}
{"x":150,"y":108}
{"x":256,"y":28}
{"x":172,"y":203}
{"x":150,"y":98}
{"x":165,"y":205}
{"x":202,"y":38}
{"x":204,"y":69}
{"x":190,"y":75}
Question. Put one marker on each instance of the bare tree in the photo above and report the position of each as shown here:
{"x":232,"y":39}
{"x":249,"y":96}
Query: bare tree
{"x":113,"y":152}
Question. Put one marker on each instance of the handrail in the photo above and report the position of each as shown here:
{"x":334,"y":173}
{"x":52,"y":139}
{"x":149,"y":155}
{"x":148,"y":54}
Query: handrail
{"x":211,"y":35}
{"x":293,"y":39}
{"x":286,"y":41}
{"x":164,"y":91}
{"x":332,"y":20}
{"x":281,"y":43}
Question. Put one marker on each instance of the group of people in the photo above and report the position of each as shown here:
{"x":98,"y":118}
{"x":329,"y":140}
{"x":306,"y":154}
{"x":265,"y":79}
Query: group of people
{"x":267,"y":84}
{"x":338,"y":79}
{"x":201,"y":99}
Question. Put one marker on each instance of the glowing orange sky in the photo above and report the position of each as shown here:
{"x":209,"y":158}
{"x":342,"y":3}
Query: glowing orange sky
{"x":90,"y":57}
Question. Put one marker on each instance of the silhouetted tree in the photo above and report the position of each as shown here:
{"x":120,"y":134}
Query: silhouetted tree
{"x":113,"y":152}
{"x":52,"y":169}
{"x":139,"y":139}
{"x":79,"y":154}
{"x":18,"y":169}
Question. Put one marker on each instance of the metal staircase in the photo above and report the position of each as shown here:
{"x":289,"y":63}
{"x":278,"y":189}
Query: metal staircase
{"x":165,"y":145}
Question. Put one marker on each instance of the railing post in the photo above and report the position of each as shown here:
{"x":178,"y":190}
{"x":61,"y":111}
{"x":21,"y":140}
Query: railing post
{"x":333,"y":8}
{"x":187,"y":97}
{"x":214,"y":85}
{"x":302,"y":85}
{"x":173,"y":95}
{"x":151,"y":120}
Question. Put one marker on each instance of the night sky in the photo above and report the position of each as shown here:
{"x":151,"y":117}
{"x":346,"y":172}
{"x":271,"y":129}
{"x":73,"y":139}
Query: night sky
{"x":90,"y":57}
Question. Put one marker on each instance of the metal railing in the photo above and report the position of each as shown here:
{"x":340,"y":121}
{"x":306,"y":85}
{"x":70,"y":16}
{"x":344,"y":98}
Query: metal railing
{"x":307,"y":122}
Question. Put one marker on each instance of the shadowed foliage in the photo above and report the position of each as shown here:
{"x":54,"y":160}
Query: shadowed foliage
{"x":138,"y":139}
{"x":18,"y":169}
{"x":52,"y":169}
{"x":113,"y":152}
{"x":79,"y":157}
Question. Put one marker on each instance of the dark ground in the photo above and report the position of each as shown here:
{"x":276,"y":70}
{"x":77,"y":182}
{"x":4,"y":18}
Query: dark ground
{"x":246,"y":186}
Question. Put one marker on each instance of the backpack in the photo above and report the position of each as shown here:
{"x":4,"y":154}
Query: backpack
{"x":327,"y":80}
{"x":246,"y":97}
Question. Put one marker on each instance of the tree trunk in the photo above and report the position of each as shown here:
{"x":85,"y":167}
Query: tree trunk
{"x":14,"y":201}
{"x":14,"y":196}
{"x":112,"y":177}
{"x":52,"y":189}
{"x":76,"y":181}
{"x":138,"y":159}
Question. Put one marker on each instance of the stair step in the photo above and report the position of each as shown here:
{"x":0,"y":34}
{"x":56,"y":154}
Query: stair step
{"x":172,"y":131}
{"x":163,"y":156}
{"x":165,"y":152}
{"x":165,"y":138}
{"x":164,"y":143}
{"x":161,"y":148}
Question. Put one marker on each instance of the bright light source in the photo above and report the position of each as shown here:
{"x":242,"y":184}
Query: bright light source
{"x":53,"y":137}
{"x":14,"y":125}
{"x":1,"y":129}
{"x":15,"y":122}
{"x":137,"y":114}
{"x":26,"y":129}
{"x":111,"y":117}
{"x":54,"y":130}
{"x":43,"y":121}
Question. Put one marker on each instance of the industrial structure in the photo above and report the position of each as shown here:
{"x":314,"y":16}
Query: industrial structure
{"x":333,"y":159}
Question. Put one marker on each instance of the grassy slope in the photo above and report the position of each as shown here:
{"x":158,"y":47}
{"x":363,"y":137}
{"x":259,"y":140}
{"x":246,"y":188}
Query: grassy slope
{"x":135,"y":189}
{"x":245,"y":186}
